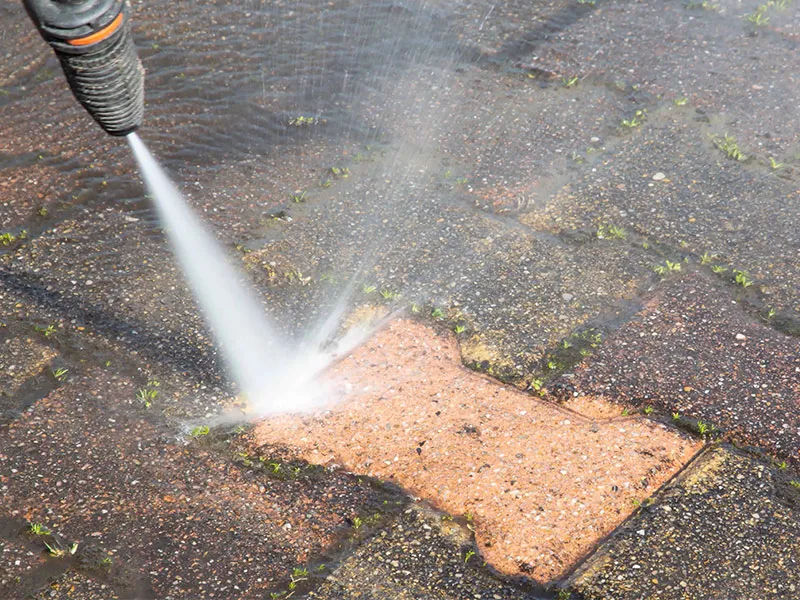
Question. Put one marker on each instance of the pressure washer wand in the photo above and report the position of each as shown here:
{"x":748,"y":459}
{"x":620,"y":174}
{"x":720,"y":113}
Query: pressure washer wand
{"x":92,"y":39}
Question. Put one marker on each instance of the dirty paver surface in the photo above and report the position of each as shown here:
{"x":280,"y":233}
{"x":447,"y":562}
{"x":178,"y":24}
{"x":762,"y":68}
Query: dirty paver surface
{"x":541,"y":484}
{"x":152,"y":516}
{"x":422,"y":554}
{"x":692,"y":351}
{"x":727,"y":505}
{"x":600,"y":198}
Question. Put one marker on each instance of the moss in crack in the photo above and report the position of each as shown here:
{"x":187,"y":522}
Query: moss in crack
{"x":278,"y":468}
{"x":569,"y":352}
{"x":704,"y":429}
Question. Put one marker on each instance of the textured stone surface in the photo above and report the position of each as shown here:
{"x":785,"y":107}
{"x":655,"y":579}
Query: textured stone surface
{"x":419,"y":555}
{"x":487,"y":161}
{"x":543,"y":485}
{"x":728,"y":527}
{"x":693,"y":351}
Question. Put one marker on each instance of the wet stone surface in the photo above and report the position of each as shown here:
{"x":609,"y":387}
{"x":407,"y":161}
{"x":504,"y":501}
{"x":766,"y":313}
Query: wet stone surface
{"x":727,"y":504}
{"x":18,"y":562}
{"x":531,"y":174}
{"x":124,"y":489}
{"x":694,"y":352}
{"x":543,"y":485}
{"x":25,"y":375}
{"x":73,"y":585}
{"x":739,"y":217}
{"x":421,"y":554}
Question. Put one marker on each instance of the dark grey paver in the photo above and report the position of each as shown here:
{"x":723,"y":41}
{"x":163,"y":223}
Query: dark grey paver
{"x":417,"y":556}
{"x":694,"y":351}
{"x":727,"y":528}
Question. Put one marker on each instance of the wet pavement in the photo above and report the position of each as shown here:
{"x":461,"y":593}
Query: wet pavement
{"x":540,"y":485}
{"x":726,"y":528}
{"x":691,"y":351}
{"x":600,"y":198}
{"x":422,"y":554}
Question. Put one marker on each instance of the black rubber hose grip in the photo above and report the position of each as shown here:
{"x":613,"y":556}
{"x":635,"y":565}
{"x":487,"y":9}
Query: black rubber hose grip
{"x":107,"y":78}
{"x":92,"y":39}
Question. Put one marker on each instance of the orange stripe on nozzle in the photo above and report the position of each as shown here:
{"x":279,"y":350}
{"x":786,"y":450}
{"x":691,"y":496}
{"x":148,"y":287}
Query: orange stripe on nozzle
{"x":98,"y":36}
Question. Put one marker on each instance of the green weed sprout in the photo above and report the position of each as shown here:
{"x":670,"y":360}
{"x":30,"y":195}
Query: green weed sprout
{"x":47,"y":331}
{"x":6,"y":239}
{"x":302,"y":121}
{"x":569,"y":81}
{"x":340,"y":172}
{"x":759,"y":18}
{"x":707,"y":258}
{"x":727,"y":144}
{"x":668,"y":267}
{"x":38,"y":529}
{"x":742,"y":278}
{"x":147,"y":394}
{"x":298,"y":197}
{"x":199,"y":431}
{"x":57,"y":552}
{"x":635,"y":121}
{"x":611,"y":232}
{"x":775,"y":164}
{"x":704,"y":4}
{"x":298,"y":574}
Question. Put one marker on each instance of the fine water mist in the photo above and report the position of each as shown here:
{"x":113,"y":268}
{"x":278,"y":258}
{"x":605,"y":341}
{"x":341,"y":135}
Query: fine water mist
{"x":276,"y":375}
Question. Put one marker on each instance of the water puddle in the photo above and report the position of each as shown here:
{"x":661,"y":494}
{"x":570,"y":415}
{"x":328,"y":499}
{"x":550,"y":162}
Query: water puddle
{"x":30,"y":392}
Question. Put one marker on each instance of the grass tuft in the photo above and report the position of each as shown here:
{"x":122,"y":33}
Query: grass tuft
{"x":728,"y":146}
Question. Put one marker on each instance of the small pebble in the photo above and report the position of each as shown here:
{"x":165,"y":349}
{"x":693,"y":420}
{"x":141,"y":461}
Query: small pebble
{"x":741,"y":336}
{"x":659,"y":176}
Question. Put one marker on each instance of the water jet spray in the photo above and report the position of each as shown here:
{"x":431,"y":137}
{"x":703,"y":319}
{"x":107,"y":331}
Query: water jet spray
{"x":92,"y":39}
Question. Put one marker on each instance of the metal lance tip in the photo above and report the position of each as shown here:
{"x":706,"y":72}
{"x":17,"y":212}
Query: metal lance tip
{"x":92,"y":39}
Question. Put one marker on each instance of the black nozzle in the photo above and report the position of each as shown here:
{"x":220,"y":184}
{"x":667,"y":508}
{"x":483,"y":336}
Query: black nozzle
{"x":92,"y":39}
